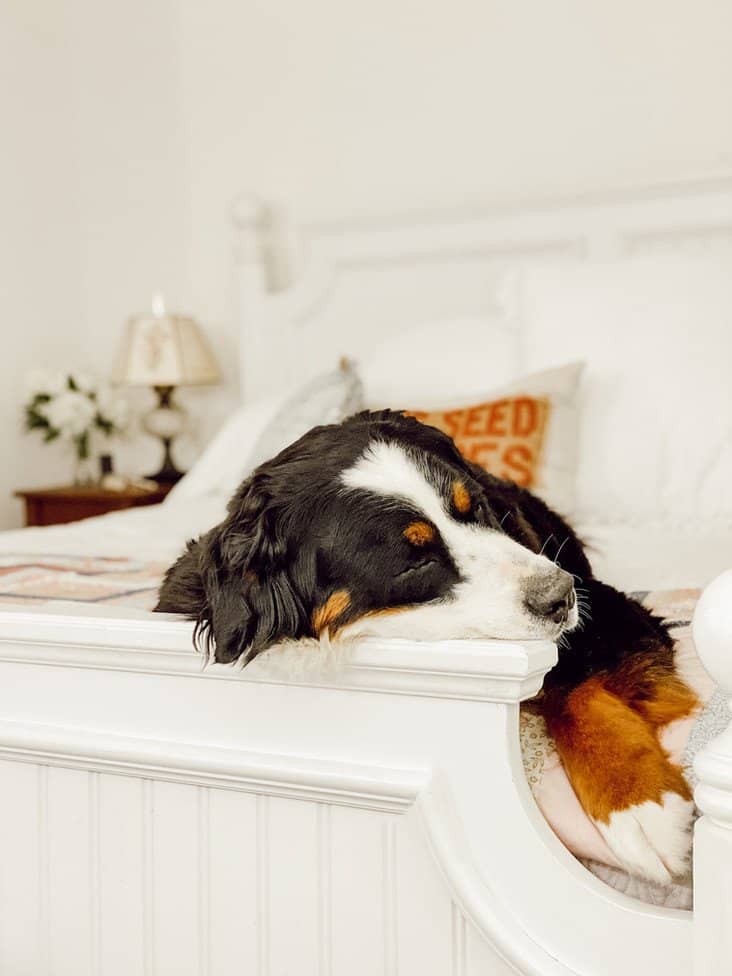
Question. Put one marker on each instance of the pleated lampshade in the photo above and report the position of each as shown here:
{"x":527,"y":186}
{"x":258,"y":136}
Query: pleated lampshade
{"x":164,"y":350}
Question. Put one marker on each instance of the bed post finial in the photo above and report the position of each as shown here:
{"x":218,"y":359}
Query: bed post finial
{"x":266,"y":250}
{"x":713,"y":794}
{"x":265,"y":240}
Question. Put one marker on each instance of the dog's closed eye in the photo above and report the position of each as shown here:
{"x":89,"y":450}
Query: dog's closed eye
{"x":480,"y":513}
{"x":417,"y":567}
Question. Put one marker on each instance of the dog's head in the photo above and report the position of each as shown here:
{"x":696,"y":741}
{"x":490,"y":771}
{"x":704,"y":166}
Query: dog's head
{"x":373,"y":527}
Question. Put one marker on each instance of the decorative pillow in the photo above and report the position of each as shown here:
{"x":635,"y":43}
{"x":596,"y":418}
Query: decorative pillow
{"x":525,"y":432}
{"x":503,"y":436}
{"x":259,"y":430}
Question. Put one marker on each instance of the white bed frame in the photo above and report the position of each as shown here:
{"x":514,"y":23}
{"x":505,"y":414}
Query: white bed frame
{"x":157,"y":819}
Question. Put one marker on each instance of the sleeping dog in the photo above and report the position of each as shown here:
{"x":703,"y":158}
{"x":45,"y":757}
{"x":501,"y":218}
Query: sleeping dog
{"x":379,"y":527}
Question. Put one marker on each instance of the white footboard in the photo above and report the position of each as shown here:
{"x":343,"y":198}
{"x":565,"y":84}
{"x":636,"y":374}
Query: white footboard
{"x":157,"y":819}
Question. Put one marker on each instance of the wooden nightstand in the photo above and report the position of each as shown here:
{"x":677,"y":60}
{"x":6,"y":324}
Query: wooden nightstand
{"x":51,"y":506}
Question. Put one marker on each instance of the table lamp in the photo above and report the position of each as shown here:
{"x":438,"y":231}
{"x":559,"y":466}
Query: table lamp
{"x":164,"y":351}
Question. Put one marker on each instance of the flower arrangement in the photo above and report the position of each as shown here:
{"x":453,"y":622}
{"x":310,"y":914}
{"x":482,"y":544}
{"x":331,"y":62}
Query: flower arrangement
{"x":71,"y":407}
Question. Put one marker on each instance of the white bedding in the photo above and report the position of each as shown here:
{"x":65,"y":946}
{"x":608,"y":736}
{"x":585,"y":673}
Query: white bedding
{"x":662,"y":555}
{"x":153,"y":532}
{"x":631,"y":556}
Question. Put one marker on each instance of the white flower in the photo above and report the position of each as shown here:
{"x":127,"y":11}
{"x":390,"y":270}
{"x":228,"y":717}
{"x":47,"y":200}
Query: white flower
{"x":85,"y":382}
{"x":113,"y":408}
{"x":71,"y":413}
{"x":48,"y":381}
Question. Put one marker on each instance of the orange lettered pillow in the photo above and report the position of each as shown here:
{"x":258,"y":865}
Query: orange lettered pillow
{"x":505,"y":436}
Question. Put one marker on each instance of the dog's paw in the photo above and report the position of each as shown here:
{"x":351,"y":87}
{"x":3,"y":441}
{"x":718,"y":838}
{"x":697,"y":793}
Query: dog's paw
{"x":652,"y":840}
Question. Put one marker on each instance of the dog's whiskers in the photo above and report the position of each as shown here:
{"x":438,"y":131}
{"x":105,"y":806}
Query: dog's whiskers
{"x":556,"y":557}
{"x":546,"y":543}
{"x":584,"y":615}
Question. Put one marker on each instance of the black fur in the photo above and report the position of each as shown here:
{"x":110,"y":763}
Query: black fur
{"x":292,"y":536}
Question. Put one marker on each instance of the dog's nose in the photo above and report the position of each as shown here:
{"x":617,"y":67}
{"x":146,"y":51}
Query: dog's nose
{"x":551,"y":595}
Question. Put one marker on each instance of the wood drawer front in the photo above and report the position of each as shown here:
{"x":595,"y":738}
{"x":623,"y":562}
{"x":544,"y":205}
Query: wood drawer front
{"x":56,"y":511}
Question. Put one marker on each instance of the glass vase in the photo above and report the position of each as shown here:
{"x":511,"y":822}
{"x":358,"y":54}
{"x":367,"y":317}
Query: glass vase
{"x":85,"y":472}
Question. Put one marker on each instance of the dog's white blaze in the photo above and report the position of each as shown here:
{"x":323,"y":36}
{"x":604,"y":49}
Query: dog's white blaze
{"x":652,"y":840}
{"x":489,"y":602}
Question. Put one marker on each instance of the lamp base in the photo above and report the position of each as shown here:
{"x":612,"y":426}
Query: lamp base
{"x":165,"y":420}
{"x":168,"y":473}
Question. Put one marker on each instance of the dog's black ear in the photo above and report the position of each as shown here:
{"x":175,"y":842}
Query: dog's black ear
{"x":249,"y":598}
{"x":182,"y":588}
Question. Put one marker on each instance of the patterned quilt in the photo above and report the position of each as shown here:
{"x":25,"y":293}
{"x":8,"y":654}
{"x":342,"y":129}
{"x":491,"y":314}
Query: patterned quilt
{"x":32,"y":579}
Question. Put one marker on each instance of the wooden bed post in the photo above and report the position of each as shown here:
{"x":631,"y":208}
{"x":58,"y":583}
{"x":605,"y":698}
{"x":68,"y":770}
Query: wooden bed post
{"x":713,"y":795}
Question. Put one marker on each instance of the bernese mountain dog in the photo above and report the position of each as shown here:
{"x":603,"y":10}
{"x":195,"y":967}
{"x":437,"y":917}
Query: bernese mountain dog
{"x":379,"y":527}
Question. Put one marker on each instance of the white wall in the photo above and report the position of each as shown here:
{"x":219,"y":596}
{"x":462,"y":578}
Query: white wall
{"x":347,"y":108}
{"x":133,"y":176}
{"x":40,"y":270}
{"x":176,"y":105}
{"x":93,"y":215}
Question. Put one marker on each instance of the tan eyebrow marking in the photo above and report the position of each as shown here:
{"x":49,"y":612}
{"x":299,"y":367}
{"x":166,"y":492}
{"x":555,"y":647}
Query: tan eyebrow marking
{"x":461,"y":497}
{"x":419,"y":533}
{"x":326,"y":615}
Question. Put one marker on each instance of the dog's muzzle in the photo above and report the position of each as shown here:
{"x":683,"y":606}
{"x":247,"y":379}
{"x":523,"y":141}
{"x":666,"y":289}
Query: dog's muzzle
{"x":551,"y":596}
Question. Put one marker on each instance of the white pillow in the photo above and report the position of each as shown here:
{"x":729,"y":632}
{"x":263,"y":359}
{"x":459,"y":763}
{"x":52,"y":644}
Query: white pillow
{"x":440,"y":360}
{"x":656,"y":403}
{"x":259,"y":430}
{"x":224,"y":461}
{"x":325,"y":400}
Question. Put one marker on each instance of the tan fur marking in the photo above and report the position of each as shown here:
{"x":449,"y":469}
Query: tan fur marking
{"x":325,"y":617}
{"x":461,"y":497}
{"x":673,"y":704}
{"x":611,"y":752}
{"x":419,"y":533}
{"x":648,"y":687}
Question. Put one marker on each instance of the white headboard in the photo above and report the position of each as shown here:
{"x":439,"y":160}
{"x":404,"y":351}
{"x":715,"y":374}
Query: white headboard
{"x":310,"y":294}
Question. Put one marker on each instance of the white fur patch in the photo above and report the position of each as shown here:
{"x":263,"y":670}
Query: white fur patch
{"x":307,"y":659}
{"x":652,"y":840}
{"x":489,"y":601}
